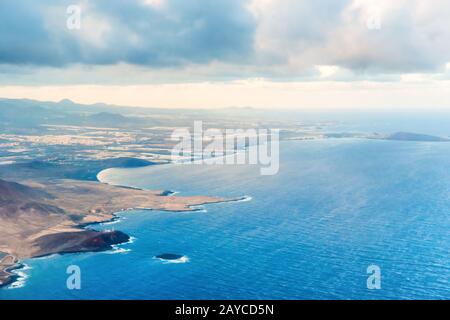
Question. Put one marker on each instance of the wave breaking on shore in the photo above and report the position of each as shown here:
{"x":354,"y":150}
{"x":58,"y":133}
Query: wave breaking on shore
{"x":21,"y":277}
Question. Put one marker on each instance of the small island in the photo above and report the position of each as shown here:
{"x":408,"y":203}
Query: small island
{"x":408,"y":136}
{"x":169,"y":256}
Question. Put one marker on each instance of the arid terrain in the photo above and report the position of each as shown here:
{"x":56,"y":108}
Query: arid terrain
{"x":38,"y":219}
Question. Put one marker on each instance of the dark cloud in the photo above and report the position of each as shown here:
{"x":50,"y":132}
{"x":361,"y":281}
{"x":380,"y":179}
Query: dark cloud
{"x":195,"y":31}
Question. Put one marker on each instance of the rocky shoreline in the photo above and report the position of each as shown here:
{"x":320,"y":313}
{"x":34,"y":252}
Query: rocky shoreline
{"x":8,"y":263}
{"x":40,"y":219}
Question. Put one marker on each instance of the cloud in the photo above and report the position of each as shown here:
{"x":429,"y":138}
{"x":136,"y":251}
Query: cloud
{"x":153,"y":33}
{"x":224,"y":39}
{"x":377,"y":36}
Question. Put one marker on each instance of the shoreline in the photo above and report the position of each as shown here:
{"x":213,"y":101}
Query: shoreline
{"x":100,"y":241}
{"x":7,"y":277}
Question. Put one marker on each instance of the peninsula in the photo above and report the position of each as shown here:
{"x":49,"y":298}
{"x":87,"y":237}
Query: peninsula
{"x":43,"y":218}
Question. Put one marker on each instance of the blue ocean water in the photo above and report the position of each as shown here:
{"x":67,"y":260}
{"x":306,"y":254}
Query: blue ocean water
{"x":309,"y":232}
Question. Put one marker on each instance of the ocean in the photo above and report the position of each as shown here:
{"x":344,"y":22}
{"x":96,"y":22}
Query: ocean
{"x":336,"y":207}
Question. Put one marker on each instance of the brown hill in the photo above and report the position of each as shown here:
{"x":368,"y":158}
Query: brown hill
{"x":39,"y":219}
{"x":12,"y":191}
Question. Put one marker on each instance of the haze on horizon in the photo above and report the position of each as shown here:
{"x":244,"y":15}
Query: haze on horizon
{"x":259,"y":53}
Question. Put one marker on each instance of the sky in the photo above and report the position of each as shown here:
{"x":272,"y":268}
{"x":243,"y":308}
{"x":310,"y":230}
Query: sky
{"x":220,"y":53}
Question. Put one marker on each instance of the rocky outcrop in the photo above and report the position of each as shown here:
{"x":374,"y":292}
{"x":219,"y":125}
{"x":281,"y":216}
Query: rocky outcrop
{"x":83,"y":241}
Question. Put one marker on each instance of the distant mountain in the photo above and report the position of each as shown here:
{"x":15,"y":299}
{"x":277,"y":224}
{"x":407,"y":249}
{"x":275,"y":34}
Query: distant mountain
{"x":66,"y":103}
{"x":23,"y":115}
{"x":28,"y":113}
{"x":110,"y":119}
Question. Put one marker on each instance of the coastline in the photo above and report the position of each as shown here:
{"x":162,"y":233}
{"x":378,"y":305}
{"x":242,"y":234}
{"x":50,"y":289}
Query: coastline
{"x":82,"y":238}
{"x":7,"y":277}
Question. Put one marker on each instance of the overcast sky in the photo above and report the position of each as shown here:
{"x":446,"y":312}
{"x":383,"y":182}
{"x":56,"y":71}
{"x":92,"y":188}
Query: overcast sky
{"x":218,"y":53}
